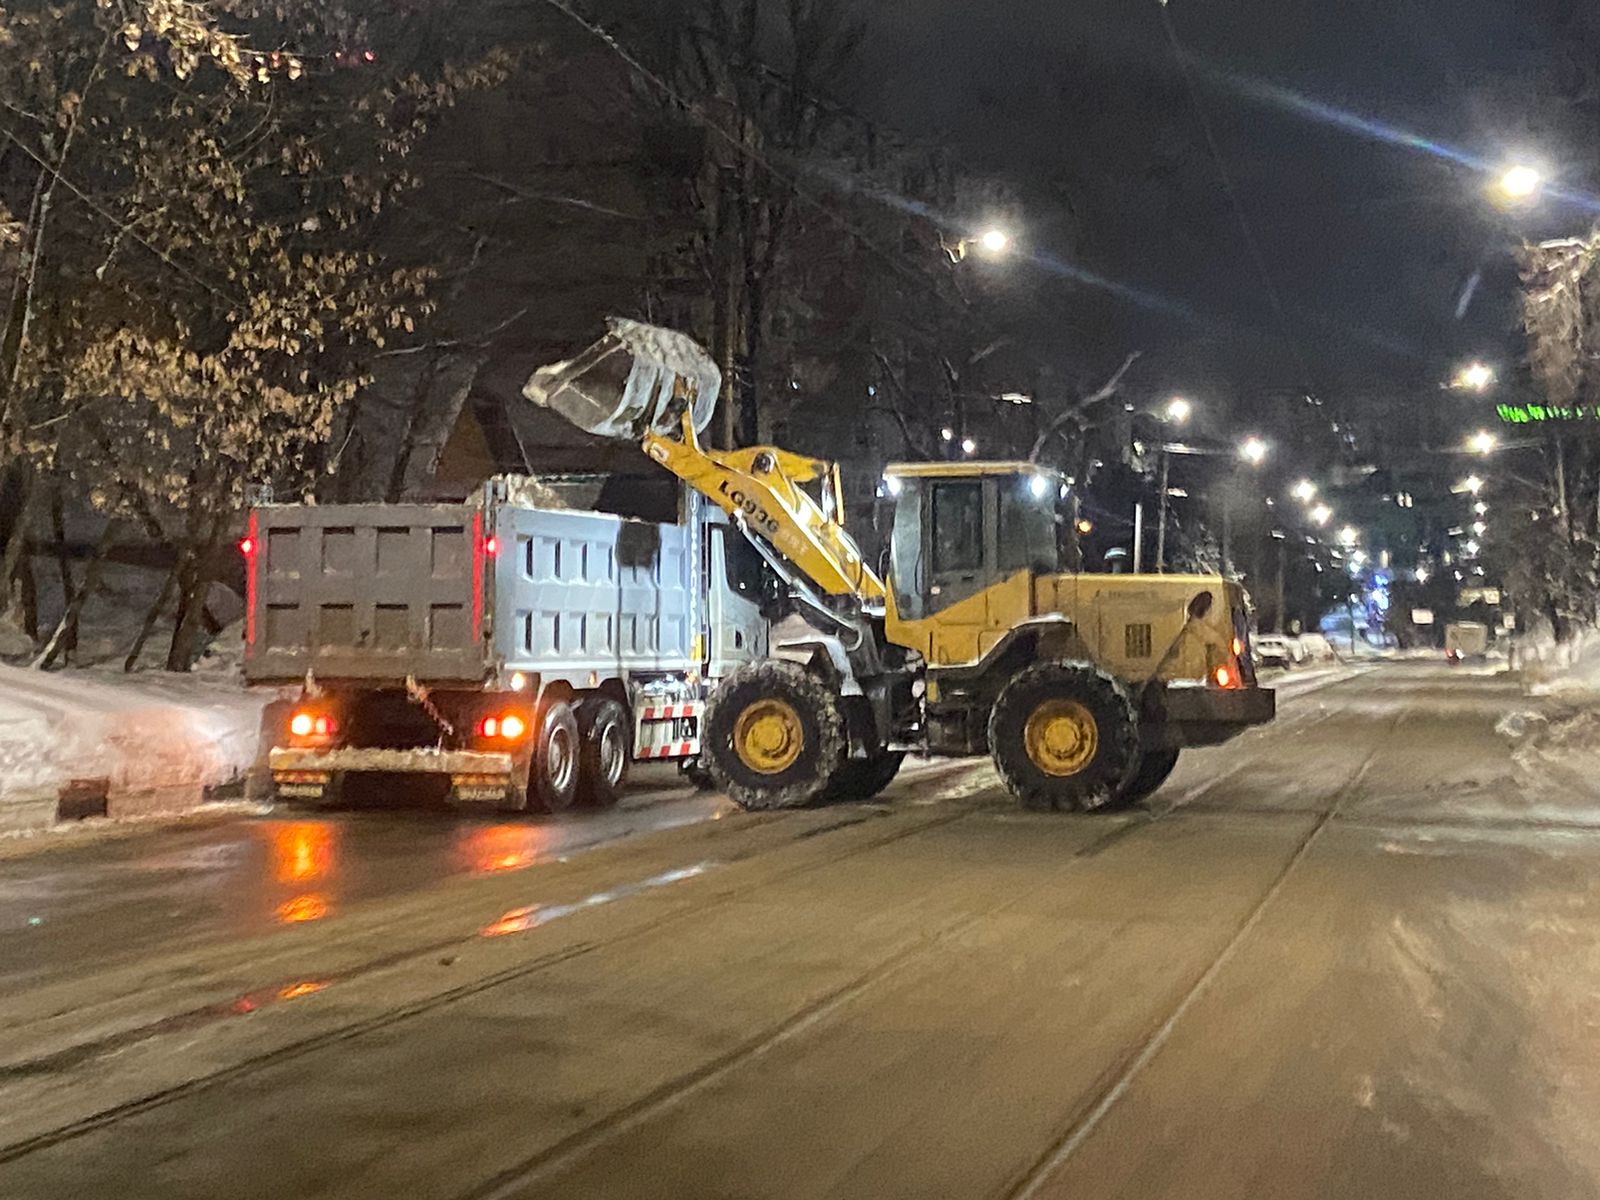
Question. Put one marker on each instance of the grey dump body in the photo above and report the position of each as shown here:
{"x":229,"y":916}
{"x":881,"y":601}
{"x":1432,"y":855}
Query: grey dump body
{"x":467,"y":594}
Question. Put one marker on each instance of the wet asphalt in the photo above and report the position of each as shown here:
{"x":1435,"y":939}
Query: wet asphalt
{"x":1355,"y":953}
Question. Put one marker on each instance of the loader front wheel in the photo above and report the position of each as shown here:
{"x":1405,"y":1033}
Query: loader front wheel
{"x":1064,"y":737}
{"x":774,"y":736}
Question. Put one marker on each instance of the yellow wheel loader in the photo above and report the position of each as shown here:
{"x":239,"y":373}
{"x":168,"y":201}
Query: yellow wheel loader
{"x":1082,"y":687}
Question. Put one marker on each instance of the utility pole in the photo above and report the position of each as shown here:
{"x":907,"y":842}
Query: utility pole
{"x":1283,"y":625}
{"x":1161,"y":518}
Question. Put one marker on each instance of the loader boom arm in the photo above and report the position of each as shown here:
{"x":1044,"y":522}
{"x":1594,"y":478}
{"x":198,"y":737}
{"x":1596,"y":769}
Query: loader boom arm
{"x":761,"y":486}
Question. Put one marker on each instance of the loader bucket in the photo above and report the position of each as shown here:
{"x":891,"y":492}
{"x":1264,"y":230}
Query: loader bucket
{"x":637,"y":379}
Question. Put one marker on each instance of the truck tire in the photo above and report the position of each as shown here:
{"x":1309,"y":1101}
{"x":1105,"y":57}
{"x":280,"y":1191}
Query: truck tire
{"x":1152,"y":771}
{"x":774,"y":736}
{"x":864,"y":778}
{"x":553,"y":773}
{"x":1064,"y":737}
{"x":607,"y":749}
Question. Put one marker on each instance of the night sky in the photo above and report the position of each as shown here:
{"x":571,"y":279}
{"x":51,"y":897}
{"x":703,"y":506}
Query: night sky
{"x":1369,"y":245}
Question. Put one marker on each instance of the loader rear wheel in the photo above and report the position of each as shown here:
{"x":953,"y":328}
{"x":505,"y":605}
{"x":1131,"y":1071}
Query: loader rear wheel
{"x":1154,"y":767}
{"x":1064,"y":737}
{"x":607,"y":747}
{"x":774,"y":736}
{"x":553,"y":774}
{"x":864,"y":778}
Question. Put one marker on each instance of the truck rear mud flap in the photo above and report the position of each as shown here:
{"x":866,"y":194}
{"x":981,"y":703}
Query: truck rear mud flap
{"x":475,"y":775}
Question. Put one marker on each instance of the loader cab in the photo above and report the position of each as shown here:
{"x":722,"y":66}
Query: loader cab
{"x":967,"y":541}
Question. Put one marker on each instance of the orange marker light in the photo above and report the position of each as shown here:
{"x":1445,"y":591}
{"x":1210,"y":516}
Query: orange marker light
{"x":512,"y":727}
{"x":1238,"y":647}
{"x":1224,"y":677}
{"x":301,"y":724}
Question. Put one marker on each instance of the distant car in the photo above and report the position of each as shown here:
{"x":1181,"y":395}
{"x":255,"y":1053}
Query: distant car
{"x":1315,"y":647}
{"x":1465,"y":639}
{"x":1274,"y":650}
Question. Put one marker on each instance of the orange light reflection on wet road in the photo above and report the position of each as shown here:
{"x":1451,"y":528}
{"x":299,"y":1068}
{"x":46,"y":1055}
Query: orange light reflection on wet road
{"x":492,"y":848}
{"x":516,"y":921}
{"x":304,"y":988}
{"x":302,"y":850}
{"x":310,"y":907}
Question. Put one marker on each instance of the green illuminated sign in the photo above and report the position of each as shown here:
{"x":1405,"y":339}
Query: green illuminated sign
{"x":1528,"y":414}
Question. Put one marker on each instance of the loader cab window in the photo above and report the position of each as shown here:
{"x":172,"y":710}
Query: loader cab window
{"x":906,"y":567}
{"x":1026,"y":534}
{"x":957,"y":527}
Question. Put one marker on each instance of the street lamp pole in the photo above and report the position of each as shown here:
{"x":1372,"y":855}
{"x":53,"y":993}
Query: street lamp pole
{"x":1161,"y":519}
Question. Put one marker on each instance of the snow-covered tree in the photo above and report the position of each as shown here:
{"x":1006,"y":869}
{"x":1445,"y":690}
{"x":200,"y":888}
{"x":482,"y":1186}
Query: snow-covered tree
{"x":195,"y":190}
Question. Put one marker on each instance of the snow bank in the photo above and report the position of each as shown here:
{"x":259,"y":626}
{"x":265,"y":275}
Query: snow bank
{"x":1552,"y":668}
{"x":143,"y":742}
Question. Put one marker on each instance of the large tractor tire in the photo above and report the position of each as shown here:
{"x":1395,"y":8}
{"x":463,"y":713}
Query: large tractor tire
{"x":1152,"y":771}
{"x":1064,"y":737}
{"x":606,"y":740}
{"x":553,"y":773}
{"x":697,"y":775}
{"x":774,"y":736}
{"x":864,"y":778}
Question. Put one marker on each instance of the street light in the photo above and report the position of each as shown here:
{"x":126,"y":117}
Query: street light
{"x":1474,"y":377}
{"x":1482,"y":442}
{"x":1348,"y":536}
{"x":968,"y":446}
{"x":1520,"y":183}
{"x":1178,"y":410}
{"x":1304,"y":491}
{"x":1253,"y":450}
{"x":1472,"y":484}
{"x":992,"y":243}
{"x":1321,"y":514}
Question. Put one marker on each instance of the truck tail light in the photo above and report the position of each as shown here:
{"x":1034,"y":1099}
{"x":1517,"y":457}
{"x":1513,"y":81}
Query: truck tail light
{"x":313,"y":724}
{"x":508,"y":728}
{"x":1224,"y":677}
{"x":491,"y":546}
{"x":247,"y":546}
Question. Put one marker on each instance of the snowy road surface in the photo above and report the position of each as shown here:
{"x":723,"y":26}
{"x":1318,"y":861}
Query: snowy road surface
{"x":1355,"y":953}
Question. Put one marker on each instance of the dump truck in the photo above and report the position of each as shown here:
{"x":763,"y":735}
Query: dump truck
{"x":509,"y":649}
{"x":1083,"y":688}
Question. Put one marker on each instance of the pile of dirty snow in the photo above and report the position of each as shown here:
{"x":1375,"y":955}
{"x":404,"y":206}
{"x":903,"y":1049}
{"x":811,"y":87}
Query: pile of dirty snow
{"x":131,"y":735}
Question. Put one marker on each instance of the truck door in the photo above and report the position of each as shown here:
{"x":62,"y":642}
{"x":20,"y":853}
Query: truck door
{"x":738,"y":631}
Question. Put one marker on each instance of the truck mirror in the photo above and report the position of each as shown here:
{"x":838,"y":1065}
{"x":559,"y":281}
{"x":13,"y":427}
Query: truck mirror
{"x":1200,"y":606}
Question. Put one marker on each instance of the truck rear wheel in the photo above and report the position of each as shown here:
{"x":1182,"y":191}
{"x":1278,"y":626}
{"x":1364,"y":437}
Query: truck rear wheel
{"x":1064,"y":736}
{"x":864,"y":778}
{"x":553,"y":773}
{"x":1152,"y":771}
{"x":607,"y":748}
{"x":774,"y":735}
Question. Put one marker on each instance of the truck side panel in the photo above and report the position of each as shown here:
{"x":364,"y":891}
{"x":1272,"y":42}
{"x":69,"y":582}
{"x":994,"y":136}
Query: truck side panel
{"x":585,"y":597}
{"x":366,"y":591}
